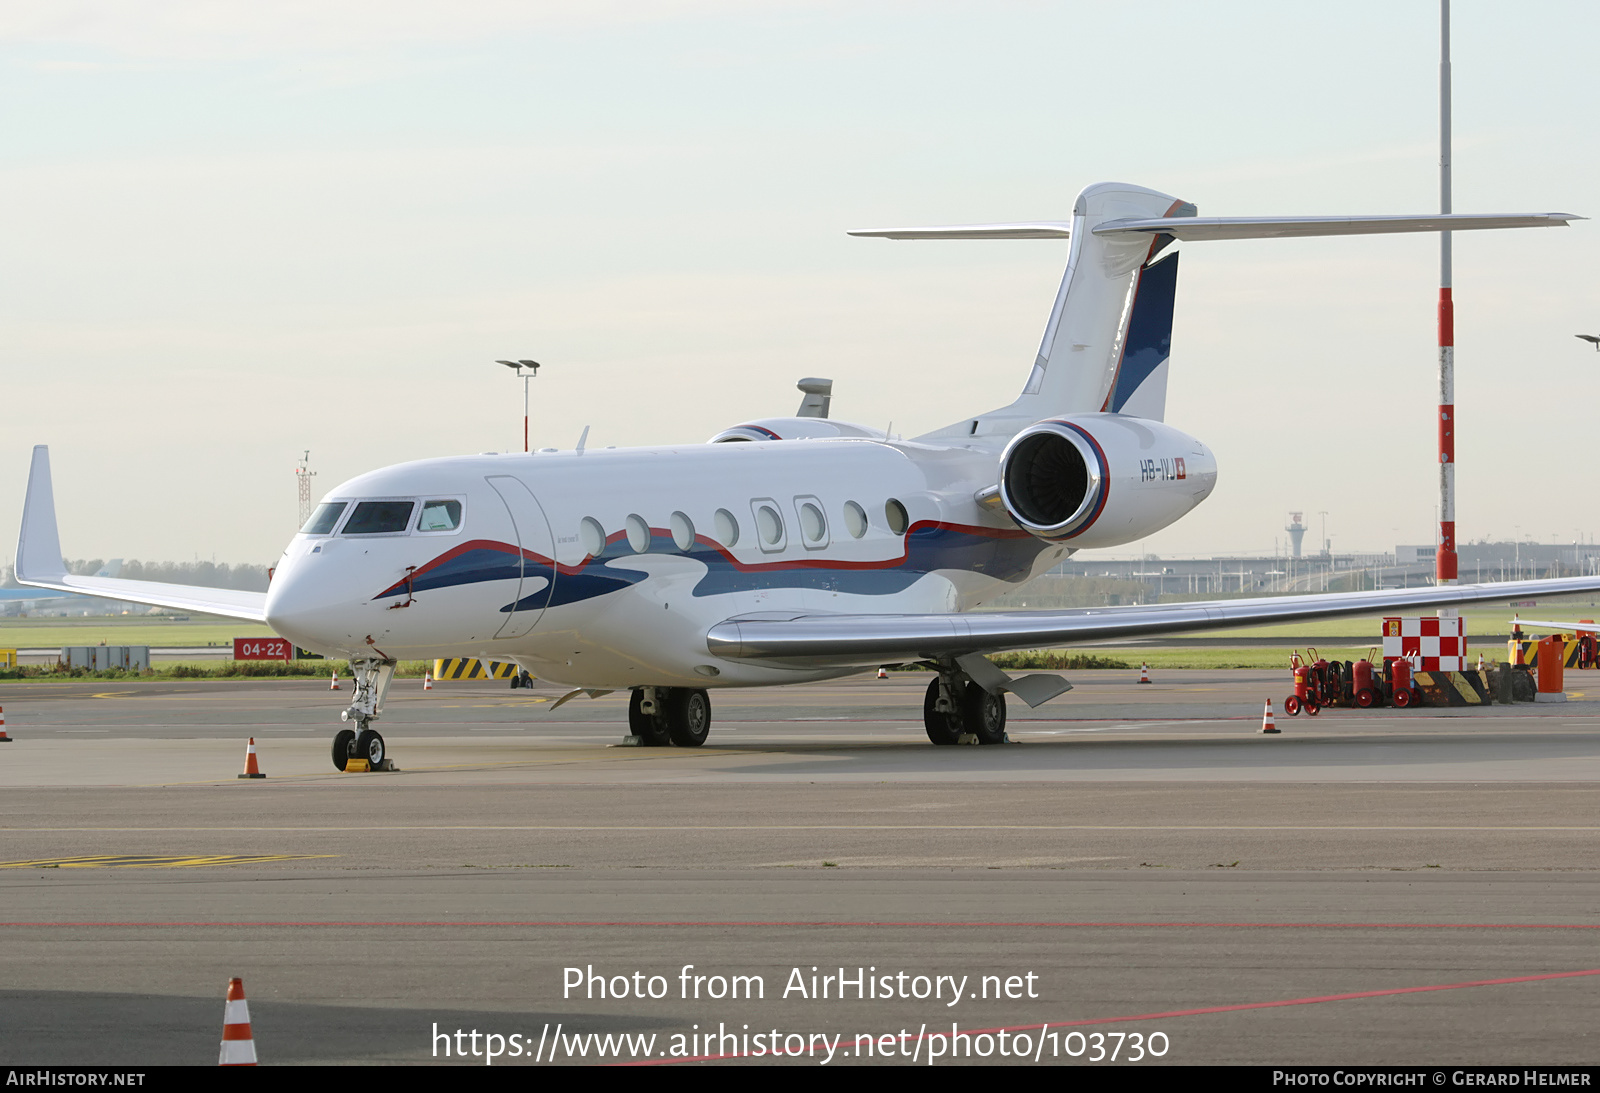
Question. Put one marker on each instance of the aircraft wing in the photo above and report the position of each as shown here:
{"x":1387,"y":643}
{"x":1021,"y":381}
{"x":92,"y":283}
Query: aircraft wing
{"x":1560,"y":627}
{"x":818,"y":640}
{"x":39,"y":563}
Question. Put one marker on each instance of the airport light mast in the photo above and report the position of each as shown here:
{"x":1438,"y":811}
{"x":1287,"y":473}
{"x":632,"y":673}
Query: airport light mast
{"x":532,"y":369}
{"x":1445,"y":556}
{"x":303,"y":474}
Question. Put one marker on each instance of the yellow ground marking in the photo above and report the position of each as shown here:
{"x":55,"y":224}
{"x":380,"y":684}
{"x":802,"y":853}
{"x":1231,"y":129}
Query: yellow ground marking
{"x":154,"y":861}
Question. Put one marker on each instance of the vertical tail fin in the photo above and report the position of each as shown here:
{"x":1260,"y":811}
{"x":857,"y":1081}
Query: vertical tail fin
{"x":1110,"y":332}
{"x":1106,"y":345}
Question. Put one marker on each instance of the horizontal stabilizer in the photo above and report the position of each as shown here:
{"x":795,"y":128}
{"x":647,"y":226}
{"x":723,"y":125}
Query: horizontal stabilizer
{"x":1041,"y":229}
{"x":39,"y":563}
{"x":1285,"y":227}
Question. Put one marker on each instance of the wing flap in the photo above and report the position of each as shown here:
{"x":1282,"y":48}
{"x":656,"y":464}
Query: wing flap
{"x":866,"y":640}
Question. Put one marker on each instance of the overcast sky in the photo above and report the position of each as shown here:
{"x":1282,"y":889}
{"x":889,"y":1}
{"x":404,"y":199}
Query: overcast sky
{"x":237,"y":231}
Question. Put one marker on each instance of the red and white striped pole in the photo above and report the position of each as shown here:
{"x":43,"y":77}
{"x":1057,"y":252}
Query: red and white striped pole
{"x":1445,"y":558}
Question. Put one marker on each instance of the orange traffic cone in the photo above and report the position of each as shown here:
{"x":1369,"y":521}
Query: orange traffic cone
{"x":334,"y":686}
{"x":1480,"y":662}
{"x":250,"y":768}
{"x":4,"y":739}
{"x":1267,"y":724}
{"x":1144,"y":673}
{"x":427,"y":682}
{"x":883,"y":673}
{"x":238,"y":1046}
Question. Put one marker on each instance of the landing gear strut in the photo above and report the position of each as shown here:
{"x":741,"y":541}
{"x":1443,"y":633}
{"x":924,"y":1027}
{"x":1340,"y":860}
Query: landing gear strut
{"x":372,"y":678}
{"x":958,"y":711}
{"x":658,"y":716}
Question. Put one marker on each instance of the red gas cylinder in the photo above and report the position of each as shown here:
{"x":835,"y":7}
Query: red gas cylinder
{"x":1400,"y":682}
{"x":1363,"y":685}
{"x":1305,"y":693}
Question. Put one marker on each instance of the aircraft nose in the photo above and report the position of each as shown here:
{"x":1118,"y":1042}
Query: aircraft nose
{"x":306,"y":604}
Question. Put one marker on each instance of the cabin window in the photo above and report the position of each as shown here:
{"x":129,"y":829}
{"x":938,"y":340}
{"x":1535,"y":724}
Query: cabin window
{"x":683,"y":532}
{"x":727,"y":528}
{"x":769,"y":524}
{"x":813,"y":525}
{"x":592,"y":536}
{"x":638,"y":533}
{"x":855,"y":519}
{"x":324,"y":518}
{"x":895,"y":514}
{"x":439,"y":516}
{"x":380,"y":518}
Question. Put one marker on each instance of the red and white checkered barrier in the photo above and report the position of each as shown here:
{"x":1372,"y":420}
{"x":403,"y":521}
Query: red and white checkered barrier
{"x":1431,"y":644}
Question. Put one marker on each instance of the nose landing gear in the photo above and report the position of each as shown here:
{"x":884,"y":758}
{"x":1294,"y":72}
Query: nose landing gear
{"x":372,"y":679}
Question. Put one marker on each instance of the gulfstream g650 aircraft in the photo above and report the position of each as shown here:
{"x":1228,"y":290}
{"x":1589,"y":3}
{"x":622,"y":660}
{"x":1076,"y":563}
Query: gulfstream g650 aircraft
{"x":791,"y":549}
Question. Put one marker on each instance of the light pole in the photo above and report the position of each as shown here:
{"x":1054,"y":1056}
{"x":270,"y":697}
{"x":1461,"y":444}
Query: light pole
{"x":527,"y":370}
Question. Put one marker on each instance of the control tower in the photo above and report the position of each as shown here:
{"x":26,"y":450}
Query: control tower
{"x":1297,"y":531}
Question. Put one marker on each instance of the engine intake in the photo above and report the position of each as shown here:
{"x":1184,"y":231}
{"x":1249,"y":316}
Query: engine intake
{"x":1053,"y":475}
{"x":1102,"y":479}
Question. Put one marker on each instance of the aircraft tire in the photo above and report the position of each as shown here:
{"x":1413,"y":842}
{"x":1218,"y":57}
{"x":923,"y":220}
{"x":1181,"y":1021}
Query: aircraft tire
{"x":369,"y":746}
{"x":984,"y":714}
{"x":651,"y":730}
{"x":942,"y":728}
{"x":341,"y":748}
{"x":688,"y":716}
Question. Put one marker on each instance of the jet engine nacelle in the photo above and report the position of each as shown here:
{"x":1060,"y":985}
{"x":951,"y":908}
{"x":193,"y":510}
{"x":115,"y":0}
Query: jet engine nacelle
{"x":1099,"y":480}
{"x":793,"y":428}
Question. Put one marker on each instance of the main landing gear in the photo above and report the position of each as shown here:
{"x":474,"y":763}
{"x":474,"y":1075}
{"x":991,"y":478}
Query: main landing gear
{"x":958,"y":711}
{"x":372,"y":678}
{"x":658,"y":716}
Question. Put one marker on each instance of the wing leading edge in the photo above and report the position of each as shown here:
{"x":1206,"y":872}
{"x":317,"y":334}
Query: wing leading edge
{"x":39,"y":563}
{"x":865,"y":640}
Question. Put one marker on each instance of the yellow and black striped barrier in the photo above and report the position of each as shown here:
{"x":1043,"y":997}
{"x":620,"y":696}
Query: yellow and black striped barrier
{"x":1452,"y":689}
{"x":1530,"y":652}
{"x":470,"y":668}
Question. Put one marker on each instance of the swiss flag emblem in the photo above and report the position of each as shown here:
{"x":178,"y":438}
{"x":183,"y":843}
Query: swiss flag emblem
{"x":1178,"y":461}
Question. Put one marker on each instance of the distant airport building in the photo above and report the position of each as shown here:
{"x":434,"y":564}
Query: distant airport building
{"x":1113,"y":580}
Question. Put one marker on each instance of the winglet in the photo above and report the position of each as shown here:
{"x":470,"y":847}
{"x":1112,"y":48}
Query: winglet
{"x":39,"y":544}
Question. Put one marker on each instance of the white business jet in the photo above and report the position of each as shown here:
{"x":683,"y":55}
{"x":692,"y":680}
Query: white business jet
{"x":792,"y":549}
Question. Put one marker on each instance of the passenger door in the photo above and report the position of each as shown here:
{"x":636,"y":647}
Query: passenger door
{"x":538,"y":575}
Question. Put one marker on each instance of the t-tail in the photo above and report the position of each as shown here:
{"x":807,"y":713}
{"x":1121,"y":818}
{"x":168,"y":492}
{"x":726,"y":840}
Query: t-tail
{"x":1108,"y":342}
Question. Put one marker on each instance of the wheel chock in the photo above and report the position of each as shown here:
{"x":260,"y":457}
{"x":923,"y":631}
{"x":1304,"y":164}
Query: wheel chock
{"x":356,"y":766}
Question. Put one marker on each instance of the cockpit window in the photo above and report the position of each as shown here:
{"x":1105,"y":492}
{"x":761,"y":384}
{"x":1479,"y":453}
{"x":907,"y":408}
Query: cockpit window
{"x":440,"y":516}
{"x":379,"y":517}
{"x":323,"y":520}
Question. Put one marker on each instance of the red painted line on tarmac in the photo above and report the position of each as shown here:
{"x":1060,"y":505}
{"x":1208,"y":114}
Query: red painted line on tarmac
{"x":551,"y":924}
{"x":1235,"y":1008}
